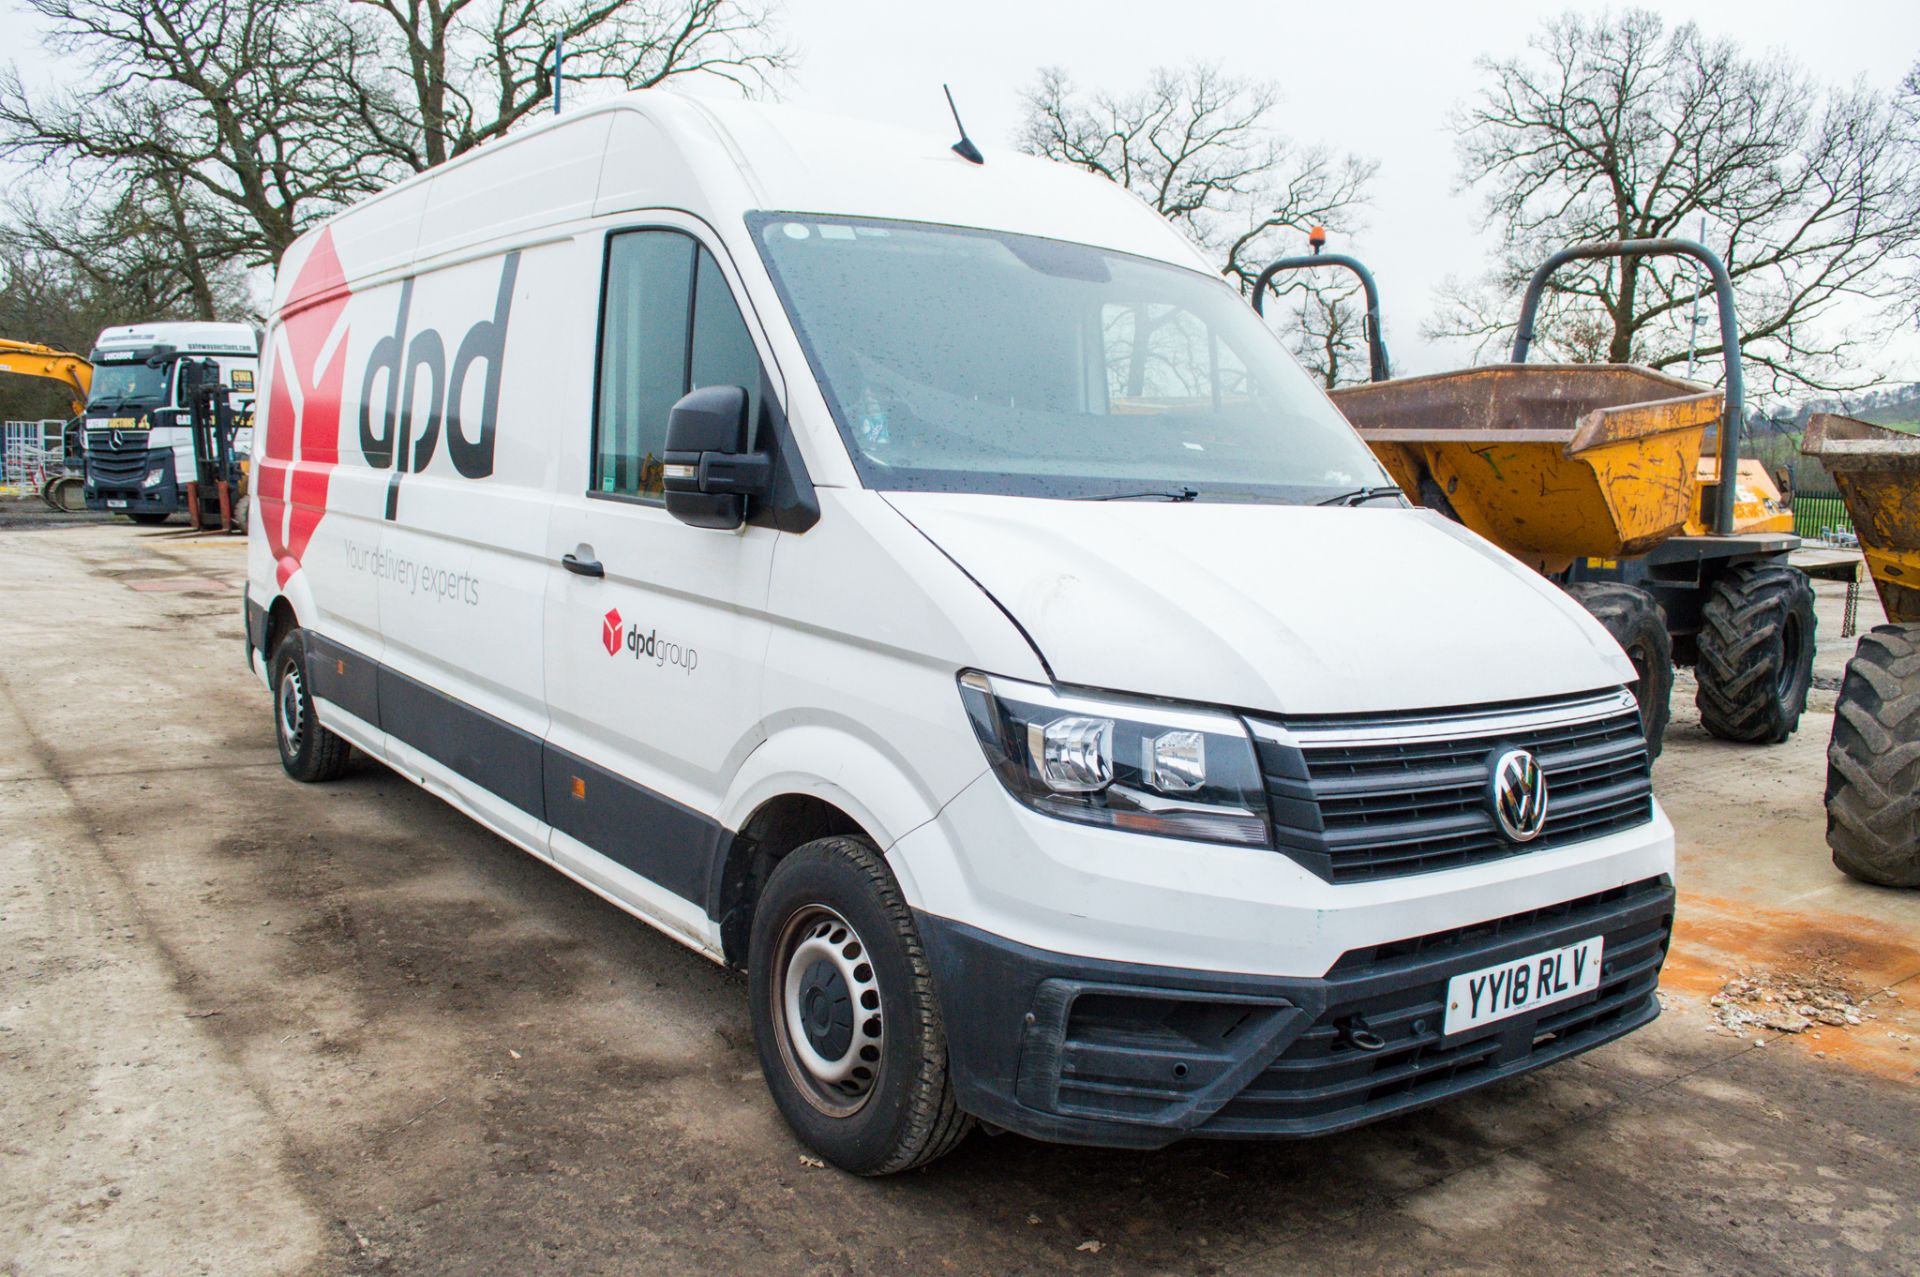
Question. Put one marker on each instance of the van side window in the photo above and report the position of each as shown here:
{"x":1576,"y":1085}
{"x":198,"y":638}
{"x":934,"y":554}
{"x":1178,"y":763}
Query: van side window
{"x":668,"y":324}
{"x":1165,"y":359}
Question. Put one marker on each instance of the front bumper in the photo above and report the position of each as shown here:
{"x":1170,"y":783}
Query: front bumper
{"x":1086,"y":1051}
{"x":123,"y":494}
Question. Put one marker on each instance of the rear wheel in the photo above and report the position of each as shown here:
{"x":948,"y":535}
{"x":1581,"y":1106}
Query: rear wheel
{"x":1873,"y":763}
{"x":308,"y":750}
{"x":1756,"y":653}
{"x":844,"y":1016}
{"x":1638,"y":625}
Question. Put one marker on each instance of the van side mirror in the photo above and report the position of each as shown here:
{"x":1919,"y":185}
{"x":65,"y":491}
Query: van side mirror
{"x":707,"y":472}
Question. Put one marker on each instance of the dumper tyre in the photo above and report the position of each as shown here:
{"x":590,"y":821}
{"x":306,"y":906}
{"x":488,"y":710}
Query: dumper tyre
{"x":1756,"y":646}
{"x":1873,"y":762}
{"x":1639,"y":625}
{"x":844,"y":1015}
{"x":309,"y":752}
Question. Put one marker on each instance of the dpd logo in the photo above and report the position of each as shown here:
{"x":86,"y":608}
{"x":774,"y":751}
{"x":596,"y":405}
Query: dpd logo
{"x":610,"y":632}
{"x":408,"y":445}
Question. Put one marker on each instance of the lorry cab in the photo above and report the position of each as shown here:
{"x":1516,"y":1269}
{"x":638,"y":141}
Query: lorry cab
{"x":925,"y":586}
{"x":137,"y":442}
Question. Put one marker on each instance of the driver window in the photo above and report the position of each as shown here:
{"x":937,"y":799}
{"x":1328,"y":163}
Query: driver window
{"x":668,"y":324}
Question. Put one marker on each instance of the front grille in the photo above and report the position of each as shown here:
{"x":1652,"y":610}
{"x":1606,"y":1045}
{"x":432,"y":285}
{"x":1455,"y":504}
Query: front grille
{"x":1321,"y":1082}
{"x":1358,"y":800}
{"x":117,"y":464}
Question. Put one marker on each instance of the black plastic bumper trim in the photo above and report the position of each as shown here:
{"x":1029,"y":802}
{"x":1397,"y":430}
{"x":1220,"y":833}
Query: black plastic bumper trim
{"x":1017,"y":1063}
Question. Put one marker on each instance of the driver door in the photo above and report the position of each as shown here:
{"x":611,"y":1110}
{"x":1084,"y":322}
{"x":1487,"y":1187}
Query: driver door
{"x":656,"y":632}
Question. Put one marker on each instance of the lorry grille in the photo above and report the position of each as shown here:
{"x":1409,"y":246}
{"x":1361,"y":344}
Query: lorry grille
{"x":1355,"y":800}
{"x":122,"y":464}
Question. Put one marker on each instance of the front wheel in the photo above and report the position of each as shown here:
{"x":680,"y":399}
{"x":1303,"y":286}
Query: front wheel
{"x":1873,"y":763}
{"x":1634,"y":618}
{"x":308,"y":751}
{"x":1756,"y":653}
{"x":844,"y":1017}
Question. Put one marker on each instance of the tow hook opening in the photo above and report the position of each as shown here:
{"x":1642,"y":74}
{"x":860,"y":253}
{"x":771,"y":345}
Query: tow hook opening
{"x":1358,"y":1034}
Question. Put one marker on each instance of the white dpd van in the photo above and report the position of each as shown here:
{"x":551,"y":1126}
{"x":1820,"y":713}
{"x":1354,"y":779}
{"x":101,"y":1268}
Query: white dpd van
{"x":926,"y":586}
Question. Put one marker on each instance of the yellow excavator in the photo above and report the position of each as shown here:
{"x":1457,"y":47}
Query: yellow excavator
{"x":30,"y":359}
{"x":27,"y":359}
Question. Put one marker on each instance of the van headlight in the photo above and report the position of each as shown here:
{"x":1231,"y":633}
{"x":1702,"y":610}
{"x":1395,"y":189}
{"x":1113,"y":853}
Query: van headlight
{"x":1138,"y":765}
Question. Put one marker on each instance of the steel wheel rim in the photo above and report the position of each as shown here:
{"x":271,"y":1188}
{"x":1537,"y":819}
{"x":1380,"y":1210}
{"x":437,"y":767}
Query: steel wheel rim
{"x":825,"y":997}
{"x":291,"y":711}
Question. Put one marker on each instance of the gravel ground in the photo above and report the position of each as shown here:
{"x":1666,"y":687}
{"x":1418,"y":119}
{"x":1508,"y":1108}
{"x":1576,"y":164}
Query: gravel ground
{"x":248,"y":1026}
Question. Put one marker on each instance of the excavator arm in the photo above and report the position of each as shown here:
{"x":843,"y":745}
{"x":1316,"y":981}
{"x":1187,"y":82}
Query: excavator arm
{"x":30,"y":360}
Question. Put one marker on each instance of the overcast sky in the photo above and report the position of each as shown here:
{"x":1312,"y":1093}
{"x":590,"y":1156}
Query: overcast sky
{"x":1378,"y":79}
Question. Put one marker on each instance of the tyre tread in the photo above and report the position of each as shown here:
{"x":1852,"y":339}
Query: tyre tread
{"x":935,"y":1124}
{"x":1873,"y":761}
{"x":1741,"y":650}
{"x":1631,"y":614}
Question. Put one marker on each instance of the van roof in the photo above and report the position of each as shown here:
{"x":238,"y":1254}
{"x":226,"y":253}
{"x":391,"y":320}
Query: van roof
{"x":719,"y":159}
{"x":186,"y":336}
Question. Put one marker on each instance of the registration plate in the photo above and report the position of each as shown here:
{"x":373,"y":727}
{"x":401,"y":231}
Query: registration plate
{"x":1524,"y":984}
{"x":116,"y":503}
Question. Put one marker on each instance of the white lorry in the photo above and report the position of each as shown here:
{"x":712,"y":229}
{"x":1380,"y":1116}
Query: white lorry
{"x":137,"y":443}
{"x":926,"y":586}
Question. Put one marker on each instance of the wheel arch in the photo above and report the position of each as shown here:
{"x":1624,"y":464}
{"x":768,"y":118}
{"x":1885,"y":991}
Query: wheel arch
{"x":807,"y":782}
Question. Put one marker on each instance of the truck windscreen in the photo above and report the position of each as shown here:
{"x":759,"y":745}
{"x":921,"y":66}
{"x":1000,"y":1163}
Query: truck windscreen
{"x":971,"y":361}
{"x":128,"y":385}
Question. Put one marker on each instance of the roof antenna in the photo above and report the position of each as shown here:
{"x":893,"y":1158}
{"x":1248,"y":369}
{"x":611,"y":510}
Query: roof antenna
{"x":964,"y":148}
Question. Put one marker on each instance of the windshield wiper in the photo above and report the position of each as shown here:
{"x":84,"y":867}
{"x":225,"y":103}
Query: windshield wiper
{"x":1168,"y":494}
{"x":1360,"y":496}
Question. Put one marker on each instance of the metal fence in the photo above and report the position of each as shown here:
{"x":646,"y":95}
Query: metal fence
{"x":1822,"y":515}
{"x":30,"y":451}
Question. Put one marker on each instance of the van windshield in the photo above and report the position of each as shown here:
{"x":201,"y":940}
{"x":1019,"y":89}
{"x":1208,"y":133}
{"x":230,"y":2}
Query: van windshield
{"x":959,"y":360}
{"x":128,"y":385}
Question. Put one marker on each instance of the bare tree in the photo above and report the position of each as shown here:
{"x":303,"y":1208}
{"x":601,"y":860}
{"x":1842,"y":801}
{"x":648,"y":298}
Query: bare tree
{"x":138,"y":243}
{"x":1907,"y":110}
{"x":233,"y":101}
{"x":453,"y":74}
{"x":258,"y":117}
{"x":1199,"y":146}
{"x":1616,"y":128}
{"x":1323,"y":324}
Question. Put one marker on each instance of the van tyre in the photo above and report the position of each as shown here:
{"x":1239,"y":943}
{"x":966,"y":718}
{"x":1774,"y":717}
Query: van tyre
{"x":308,"y":750}
{"x":1639,"y":626}
{"x":844,"y":1015}
{"x":1756,"y":653}
{"x":1873,"y":763}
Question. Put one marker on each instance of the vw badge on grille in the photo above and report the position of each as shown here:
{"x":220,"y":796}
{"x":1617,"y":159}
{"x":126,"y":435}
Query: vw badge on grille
{"x":1517,"y":791}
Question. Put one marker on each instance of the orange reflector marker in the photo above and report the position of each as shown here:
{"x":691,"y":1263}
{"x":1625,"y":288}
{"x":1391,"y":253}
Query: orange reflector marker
{"x":579,"y":787}
{"x":340,"y":667}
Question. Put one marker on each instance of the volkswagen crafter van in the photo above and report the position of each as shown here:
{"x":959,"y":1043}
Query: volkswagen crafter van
{"x":926,"y":586}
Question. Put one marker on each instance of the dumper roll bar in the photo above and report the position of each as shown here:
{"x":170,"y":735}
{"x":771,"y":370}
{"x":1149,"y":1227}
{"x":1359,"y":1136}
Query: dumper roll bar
{"x":1376,"y":348}
{"x":1736,"y":412}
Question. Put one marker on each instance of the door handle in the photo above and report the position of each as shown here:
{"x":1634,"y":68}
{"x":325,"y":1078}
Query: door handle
{"x":582,"y":567}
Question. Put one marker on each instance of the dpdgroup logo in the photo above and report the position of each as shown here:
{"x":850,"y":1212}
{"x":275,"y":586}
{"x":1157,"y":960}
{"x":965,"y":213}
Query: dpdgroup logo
{"x":615,"y":634}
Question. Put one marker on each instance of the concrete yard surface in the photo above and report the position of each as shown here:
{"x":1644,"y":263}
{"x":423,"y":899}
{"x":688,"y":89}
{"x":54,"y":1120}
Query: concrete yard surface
{"x":250,"y":1026}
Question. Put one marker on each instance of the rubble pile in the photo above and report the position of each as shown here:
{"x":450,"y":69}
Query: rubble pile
{"x":1786,"y":1002}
